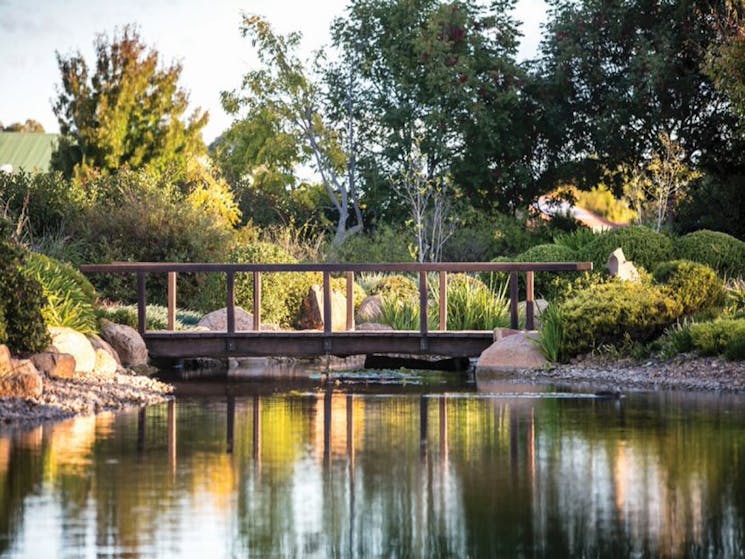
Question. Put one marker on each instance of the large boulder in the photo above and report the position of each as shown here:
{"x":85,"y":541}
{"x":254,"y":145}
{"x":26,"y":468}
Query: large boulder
{"x":217,"y":321}
{"x":311,"y":311}
{"x":370,"y":309}
{"x":99,"y":344}
{"x":621,"y":268}
{"x":4,"y":360}
{"x":67,"y":340}
{"x":54,"y":364}
{"x":512,"y":352}
{"x":127,"y":343}
{"x":24,"y":381}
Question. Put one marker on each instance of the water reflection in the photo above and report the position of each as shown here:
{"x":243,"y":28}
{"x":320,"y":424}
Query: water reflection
{"x":399,"y":475}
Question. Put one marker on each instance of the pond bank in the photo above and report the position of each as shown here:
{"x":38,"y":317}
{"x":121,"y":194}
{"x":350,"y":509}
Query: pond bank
{"x":683,"y":372}
{"x":86,"y":394}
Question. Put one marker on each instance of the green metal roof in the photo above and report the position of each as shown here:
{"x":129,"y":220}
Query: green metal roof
{"x":27,"y":151}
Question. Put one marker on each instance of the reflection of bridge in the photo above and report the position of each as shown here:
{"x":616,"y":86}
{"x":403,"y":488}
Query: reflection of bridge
{"x":172,"y":344}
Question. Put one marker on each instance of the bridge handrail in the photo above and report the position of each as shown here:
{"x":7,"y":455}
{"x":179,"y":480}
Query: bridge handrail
{"x":422,"y":269}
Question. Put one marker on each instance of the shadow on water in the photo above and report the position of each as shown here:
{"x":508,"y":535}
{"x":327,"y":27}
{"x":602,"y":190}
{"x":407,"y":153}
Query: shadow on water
{"x":360,"y":469}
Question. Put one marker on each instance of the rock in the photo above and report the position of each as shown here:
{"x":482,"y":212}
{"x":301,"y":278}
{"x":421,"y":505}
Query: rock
{"x":311,"y":311}
{"x":4,"y":360}
{"x":127,"y":343}
{"x":217,"y":321}
{"x":513,"y":351}
{"x":621,"y":268}
{"x":106,"y":365}
{"x":370,"y":309}
{"x":99,"y":343}
{"x":67,"y":340}
{"x":539,"y":305}
{"x":55,"y":364}
{"x":23,"y":382}
{"x":373,"y":327}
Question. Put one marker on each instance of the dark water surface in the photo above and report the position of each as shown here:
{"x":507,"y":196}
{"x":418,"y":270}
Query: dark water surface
{"x":257,"y":470}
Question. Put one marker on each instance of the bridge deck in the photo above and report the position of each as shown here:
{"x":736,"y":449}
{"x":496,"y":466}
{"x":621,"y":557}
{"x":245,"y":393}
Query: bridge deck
{"x":166,"y":344}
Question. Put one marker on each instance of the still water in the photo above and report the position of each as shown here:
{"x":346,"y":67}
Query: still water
{"x":257,"y":470}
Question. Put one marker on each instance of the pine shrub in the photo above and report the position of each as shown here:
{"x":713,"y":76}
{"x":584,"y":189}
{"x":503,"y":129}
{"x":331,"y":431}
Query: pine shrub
{"x":720,"y":251}
{"x":643,"y":246}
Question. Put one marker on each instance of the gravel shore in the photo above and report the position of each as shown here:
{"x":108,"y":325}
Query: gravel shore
{"x":85,"y":395}
{"x":684,"y":372}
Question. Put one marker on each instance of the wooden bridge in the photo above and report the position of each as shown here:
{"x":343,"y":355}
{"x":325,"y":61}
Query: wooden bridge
{"x":256,"y":342}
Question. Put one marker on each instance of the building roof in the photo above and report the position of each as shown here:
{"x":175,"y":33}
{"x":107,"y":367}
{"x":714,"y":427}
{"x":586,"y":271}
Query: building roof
{"x":26,"y":150}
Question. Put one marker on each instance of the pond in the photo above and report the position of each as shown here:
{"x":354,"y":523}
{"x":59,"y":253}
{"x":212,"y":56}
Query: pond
{"x":432,"y":469}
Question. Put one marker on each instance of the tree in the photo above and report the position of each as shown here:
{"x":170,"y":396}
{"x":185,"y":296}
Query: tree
{"x":283,"y":92}
{"x":725,"y":60}
{"x":30,"y":126}
{"x":428,"y":201}
{"x":443,"y":72}
{"x":127,"y":112}
{"x":615,"y":75}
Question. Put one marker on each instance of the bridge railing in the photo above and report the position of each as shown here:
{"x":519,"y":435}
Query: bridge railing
{"x":442,"y":269}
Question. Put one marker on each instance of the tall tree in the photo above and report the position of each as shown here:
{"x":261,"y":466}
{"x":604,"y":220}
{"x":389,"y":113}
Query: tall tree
{"x":128,"y":111}
{"x":284,"y":92}
{"x":617,"y":75}
{"x":443,"y":72}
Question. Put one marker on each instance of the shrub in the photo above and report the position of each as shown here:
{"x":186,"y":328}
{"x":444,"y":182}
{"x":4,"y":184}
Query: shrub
{"x":713,"y":338}
{"x":396,"y":286}
{"x":3,"y":325}
{"x":399,"y":313}
{"x":156,"y":316}
{"x":641,"y":245}
{"x":471,"y":304}
{"x":340,"y":285}
{"x":384,"y":244}
{"x":545,"y":282}
{"x":720,"y":251}
{"x":142,"y":216}
{"x":282,"y":293}
{"x":614,"y":314}
{"x":695,"y":286}
{"x":70,"y":296}
{"x":575,"y":240}
{"x":551,"y":336}
{"x":22,"y":298}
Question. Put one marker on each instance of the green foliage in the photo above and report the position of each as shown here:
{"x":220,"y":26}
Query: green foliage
{"x":3,"y":325}
{"x":734,"y":295}
{"x":399,"y":312}
{"x":471,"y":304}
{"x":384,"y":244}
{"x":576,"y":240}
{"x":720,"y":251}
{"x":156,"y":316}
{"x":551,"y":336}
{"x":396,"y":286}
{"x":47,"y":200}
{"x":676,"y":339}
{"x":70,"y":296}
{"x":545,"y":282}
{"x":695,"y":286}
{"x":595,"y":53}
{"x":614,"y":314}
{"x":143,"y":216}
{"x":22,"y":300}
{"x":641,"y":245}
{"x":713,"y":338}
{"x":281,"y":293}
{"x":128,"y":111}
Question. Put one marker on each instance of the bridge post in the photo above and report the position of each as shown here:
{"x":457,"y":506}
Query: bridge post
{"x":171,"y":300}
{"x":514,"y":295}
{"x":327,"y":312}
{"x":529,"y":300}
{"x":443,"y":301}
{"x":423,"y":327}
{"x":141,"y":303}
{"x":231,"y":302}
{"x":350,"y":300}
{"x":257,"y":301}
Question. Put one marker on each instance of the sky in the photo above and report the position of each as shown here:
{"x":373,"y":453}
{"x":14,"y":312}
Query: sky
{"x":202,"y":35}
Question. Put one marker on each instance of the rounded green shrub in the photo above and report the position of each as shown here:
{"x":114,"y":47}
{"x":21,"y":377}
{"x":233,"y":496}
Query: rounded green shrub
{"x":282,"y":293}
{"x":722,"y":252}
{"x":614,"y":314}
{"x":643,"y":246}
{"x":713,"y":338}
{"x":695,"y":286}
{"x":70,"y":296}
{"x":545,"y":284}
{"x":396,"y":286}
{"x":23,"y":299}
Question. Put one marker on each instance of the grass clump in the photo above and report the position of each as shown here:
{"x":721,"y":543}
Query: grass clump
{"x":156,"y":316}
